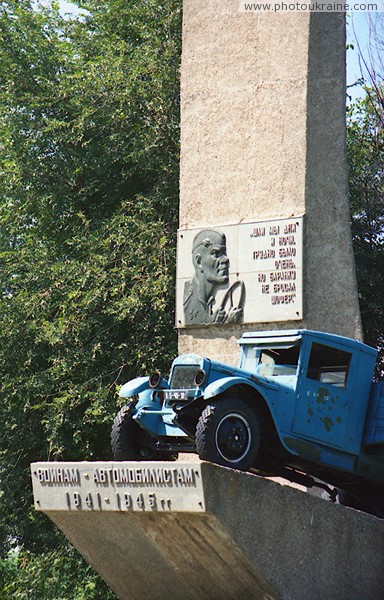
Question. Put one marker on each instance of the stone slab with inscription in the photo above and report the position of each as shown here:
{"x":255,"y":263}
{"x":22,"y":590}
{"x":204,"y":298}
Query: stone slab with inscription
{"x":171,"y":530}
{"x":105,"y":486}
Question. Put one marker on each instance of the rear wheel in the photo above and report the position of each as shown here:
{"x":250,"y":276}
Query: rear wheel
{"x":228,"y":434}
{"x":130,"y":442}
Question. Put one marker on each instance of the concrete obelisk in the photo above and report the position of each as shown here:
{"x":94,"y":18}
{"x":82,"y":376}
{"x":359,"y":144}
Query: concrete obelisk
{"x":263,"y":165}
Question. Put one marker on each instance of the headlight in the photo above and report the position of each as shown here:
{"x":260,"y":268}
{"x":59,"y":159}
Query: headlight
{"x":200,"y":377}
{"x":155,"y":379}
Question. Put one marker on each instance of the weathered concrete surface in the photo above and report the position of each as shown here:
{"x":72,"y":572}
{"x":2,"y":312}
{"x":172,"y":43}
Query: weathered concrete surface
{"x":255,"y":539}
{"x":263,"y":136}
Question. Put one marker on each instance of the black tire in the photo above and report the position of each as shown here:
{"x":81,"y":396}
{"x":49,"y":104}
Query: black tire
{"x":228,"y":434}
{"x":129,"y":441}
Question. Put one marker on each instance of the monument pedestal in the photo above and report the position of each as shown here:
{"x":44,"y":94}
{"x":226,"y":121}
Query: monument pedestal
{"x":166,"y":531}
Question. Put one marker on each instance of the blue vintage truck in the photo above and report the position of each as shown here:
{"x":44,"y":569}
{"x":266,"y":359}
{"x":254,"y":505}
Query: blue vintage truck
{"x":301,"y":404}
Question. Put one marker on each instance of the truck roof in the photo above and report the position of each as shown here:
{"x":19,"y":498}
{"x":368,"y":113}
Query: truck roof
{"x":291,"y":336}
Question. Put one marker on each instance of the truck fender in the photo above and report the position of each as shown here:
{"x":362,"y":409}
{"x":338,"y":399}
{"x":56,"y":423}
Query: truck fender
{"x":134,"y":386}
{"x":221,"y":385}
{"x":138,"y":385}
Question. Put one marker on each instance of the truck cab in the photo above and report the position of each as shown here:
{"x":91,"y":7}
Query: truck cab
{"x":330,"y":378}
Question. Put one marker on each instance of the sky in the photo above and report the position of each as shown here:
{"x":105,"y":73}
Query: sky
{"x":358,"y":35}
{"x":67,"y":7}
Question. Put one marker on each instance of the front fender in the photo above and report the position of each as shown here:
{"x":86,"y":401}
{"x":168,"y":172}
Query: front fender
{"x":221,"y":385}
{"x":135,"y":386}
{"x":138,"y":385}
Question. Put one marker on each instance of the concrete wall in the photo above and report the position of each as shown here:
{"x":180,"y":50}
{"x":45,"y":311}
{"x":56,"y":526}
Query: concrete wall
{"x":263,"y":136}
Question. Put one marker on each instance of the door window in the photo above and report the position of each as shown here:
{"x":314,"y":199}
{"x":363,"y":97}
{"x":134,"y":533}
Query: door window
{"x":329,"y":365}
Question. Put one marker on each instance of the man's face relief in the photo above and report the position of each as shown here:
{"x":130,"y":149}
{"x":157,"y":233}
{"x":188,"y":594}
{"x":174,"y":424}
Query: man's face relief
{"x":213,"y":262}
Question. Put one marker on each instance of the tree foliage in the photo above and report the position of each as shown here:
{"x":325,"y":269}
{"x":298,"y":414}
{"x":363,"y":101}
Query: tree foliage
{"x":59,"y":573}
{"x":89,"y":117}
{"x":366,"y":186}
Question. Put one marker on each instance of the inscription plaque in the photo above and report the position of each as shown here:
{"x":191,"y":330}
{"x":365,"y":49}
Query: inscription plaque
{"x":117,"y":486}
{"x":245,"y":273}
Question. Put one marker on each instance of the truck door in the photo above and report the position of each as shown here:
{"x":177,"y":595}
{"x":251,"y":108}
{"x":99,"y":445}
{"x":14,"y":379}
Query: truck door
{"x":322,"y":404}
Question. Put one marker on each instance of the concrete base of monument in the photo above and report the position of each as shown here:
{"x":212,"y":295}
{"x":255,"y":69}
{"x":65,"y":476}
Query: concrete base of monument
{"x":172,"y":531}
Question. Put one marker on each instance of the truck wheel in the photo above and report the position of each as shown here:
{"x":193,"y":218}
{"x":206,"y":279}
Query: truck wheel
{"x":228,"y":434}
{"x":129,"y":441}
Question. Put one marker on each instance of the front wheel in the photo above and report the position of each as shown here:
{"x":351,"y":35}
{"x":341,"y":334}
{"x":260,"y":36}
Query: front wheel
{"x":129,"y":441}
{"x":228,"y":434}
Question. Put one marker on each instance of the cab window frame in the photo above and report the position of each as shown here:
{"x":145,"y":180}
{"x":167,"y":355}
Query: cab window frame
{"x":329,"y":365}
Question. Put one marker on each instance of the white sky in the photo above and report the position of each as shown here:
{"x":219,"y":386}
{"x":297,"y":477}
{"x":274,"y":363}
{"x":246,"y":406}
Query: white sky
{"x":357,"y":31}
{"x":67,"y":7}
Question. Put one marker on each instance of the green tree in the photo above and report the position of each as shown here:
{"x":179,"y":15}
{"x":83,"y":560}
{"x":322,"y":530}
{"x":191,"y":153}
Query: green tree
{"x":53,"y":575}
{"x":366,"y":186}
{"x":89,"y":129}
{"x":366,"y":158}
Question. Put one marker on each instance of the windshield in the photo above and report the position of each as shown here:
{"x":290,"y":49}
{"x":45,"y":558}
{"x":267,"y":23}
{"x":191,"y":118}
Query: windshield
{"x":271,"y":362}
